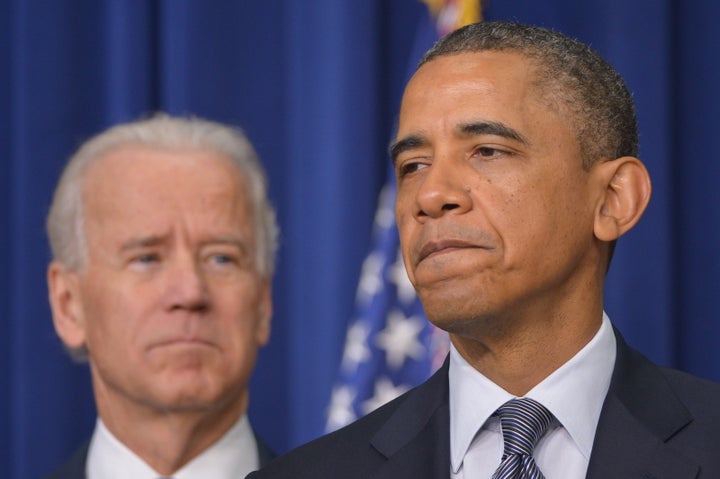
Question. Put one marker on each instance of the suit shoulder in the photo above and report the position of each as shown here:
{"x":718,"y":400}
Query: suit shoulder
{"x":345,"y":453}
{"x":699,"y":395}
{"x":74,"y":468}
{"x":363,"y":447}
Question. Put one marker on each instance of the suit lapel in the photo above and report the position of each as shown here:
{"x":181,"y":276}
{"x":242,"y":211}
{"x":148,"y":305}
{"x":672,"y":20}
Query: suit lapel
{"x":640,"y":414}
{"x":416,"y":438}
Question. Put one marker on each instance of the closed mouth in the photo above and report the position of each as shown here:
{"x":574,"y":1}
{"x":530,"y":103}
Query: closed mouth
{"x":436,"y":247}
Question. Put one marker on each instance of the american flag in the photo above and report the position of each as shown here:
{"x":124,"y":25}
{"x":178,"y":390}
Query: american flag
{"x":390,"y":346}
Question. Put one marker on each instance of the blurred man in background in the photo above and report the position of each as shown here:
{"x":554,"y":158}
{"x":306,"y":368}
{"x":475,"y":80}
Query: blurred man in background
{"x":164,"y":243}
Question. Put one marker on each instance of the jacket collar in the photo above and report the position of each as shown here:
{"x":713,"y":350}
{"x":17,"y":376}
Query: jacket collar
{"x":640,"y":415}
{"x":416,"y":437}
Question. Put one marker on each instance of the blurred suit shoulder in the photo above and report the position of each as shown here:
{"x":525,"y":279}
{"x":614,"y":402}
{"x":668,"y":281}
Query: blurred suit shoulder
{"x":74,"y":468}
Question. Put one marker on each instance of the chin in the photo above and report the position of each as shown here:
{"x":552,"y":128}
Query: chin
{"x":203,"y":391}
{"x":448,"y":298}
{"x":456,"y":313}
{"x":188,"y":388}
{"x":188,"y":400}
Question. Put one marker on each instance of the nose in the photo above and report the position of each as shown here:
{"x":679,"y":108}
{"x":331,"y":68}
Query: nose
{"x":187,"y":287}
{"x":442,"y":191}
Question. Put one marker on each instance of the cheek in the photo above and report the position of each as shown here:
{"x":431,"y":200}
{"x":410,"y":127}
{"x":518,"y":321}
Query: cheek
{"x":405,"y":201}
{"x":108,"y":331}
{"x":521,"y":215}
{"x":405,"y":213}
{"x":408,"y":230}
{"x":548,"y":223}
{"x":239,"y":311}
{"x":116,"y":315}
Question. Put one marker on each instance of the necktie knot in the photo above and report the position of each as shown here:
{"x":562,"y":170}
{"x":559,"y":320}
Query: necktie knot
{"x":523,"y":421}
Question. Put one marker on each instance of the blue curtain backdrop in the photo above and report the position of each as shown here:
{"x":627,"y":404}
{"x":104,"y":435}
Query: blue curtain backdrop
{"x":316,"y":85}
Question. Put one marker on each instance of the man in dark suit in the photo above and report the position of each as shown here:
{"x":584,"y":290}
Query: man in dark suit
{"x":517,"y":170}
{"x":164,"y":244}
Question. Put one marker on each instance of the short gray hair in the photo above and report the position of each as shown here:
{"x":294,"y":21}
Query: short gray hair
{"x":65,"y":223}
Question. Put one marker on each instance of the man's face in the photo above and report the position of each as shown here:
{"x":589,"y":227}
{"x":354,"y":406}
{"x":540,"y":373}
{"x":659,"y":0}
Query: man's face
{"x":170,"y":303}
{"x":494,"y":210}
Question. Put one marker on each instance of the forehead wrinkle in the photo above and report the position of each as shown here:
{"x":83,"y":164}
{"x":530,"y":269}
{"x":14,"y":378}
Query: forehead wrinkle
{"x":238,"y":242}
{"x":142,"y":242}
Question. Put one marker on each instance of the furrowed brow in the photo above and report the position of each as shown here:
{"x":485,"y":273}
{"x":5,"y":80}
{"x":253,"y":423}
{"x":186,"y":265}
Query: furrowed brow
{"x":143,"y":242}
{"x":491,"y":128}
{"x":406,"y":144}
{"x":236,"y":241}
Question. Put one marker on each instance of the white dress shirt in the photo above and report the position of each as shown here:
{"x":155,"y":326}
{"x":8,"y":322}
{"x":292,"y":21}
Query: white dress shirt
{"x":574,"y":394}
{"x":234,"y":455}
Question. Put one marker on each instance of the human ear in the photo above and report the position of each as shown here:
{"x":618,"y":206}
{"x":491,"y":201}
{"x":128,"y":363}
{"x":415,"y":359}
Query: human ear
{"x":66,"y":305}
{"x":626,"y":191}
{"x":265,"y":310}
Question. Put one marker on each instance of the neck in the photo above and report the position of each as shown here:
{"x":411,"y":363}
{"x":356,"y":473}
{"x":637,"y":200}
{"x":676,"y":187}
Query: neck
{"x":519,"y":353}
{"x":167,"y":440}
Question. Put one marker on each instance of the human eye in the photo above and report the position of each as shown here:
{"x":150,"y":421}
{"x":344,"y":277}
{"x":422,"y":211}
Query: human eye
{"x":144,"y":261}
{"x":222,"y":259}
{"x":225,"y":259}
{"x":410,"y":166}
{"x":145,"y":258}
{"x":488,"y":152}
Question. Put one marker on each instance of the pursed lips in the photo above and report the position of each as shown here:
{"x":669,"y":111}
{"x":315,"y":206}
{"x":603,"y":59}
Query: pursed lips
{"x":436,"y":247}
{"x":183,"y":340}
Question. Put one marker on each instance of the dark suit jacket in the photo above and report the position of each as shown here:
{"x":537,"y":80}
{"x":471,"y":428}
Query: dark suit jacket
{"x":656,"y":423}
{"x":74,"y":468}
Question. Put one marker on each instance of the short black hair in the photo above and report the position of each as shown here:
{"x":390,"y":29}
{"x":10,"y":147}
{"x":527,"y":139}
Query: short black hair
{"x":572,"y":76}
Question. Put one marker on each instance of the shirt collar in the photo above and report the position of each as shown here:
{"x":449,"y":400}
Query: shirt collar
{"x":234,"y":454}
{"x":574,"y":394}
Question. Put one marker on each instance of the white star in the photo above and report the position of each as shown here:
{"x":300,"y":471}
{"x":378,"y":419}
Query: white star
{"x":398,"y":275}
{"x":399,"y":339}
{"x":385,"y":391}
{"x":385,"y":215}
{"x":356,"y":348}
{"x":370,"y":279}
{"x":340,"y":411}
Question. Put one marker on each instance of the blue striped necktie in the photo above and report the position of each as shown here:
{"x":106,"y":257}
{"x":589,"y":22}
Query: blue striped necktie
{"x":523,"y":423}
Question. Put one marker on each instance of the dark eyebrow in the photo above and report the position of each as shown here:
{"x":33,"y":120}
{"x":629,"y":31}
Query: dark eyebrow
{"x":465,"y":129}
{"x":491,"y":128}
{"x":407,"y":143}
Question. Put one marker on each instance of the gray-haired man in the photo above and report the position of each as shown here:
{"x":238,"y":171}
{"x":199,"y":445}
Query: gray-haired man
{"x":164,"y":243}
